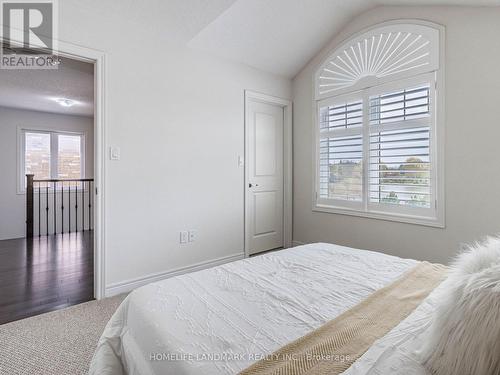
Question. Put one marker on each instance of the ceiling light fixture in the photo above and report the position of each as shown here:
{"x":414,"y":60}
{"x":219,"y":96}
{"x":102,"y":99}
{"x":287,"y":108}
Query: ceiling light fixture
{"x":65,"y":102}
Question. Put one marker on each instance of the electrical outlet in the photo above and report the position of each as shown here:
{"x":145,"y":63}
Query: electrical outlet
{"x":183,"y":236}
{"x":192,"y":235}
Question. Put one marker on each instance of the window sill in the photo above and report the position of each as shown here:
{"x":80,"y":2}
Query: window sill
{"x":417,"y":220}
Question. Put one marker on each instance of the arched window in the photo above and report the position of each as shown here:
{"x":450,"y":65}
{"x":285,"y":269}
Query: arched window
{"x":379,"y":123}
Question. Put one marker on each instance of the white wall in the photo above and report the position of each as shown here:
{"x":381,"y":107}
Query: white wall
{"x":13,"y":205}
{"x":472,"y":142}
{"x":177,"y":116}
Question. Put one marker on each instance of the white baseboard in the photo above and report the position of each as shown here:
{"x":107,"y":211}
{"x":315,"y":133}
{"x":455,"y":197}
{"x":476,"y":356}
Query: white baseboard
{"x":128,"y":285}
{"x":297,"y":243}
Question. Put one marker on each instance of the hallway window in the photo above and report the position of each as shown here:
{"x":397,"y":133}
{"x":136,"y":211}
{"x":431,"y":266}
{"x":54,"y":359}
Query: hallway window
{"x":51,"y":155}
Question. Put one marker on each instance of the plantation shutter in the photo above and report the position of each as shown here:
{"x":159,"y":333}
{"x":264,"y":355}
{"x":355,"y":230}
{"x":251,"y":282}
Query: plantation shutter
{"x":341,"y":150}
{"x":400,"y":124}
{"x":379,"y":125}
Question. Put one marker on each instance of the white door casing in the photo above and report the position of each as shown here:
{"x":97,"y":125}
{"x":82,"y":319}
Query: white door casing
{"x":266,"y":189}
{"x":96,"y":57}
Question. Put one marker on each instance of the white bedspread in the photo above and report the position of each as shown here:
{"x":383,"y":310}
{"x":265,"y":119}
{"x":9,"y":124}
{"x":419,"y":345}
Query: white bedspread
{"x":250,"y":308}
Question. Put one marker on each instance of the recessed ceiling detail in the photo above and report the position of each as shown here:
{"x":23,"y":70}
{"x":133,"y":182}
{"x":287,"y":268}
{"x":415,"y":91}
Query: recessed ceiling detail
{"x":388,"y":52}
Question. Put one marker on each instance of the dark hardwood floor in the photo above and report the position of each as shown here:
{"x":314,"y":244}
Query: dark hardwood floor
{"x":45,"y":274}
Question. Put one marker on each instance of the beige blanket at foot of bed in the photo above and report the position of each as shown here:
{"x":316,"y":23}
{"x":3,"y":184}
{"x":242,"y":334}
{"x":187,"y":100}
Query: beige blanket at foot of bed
{"x":333,"y":347}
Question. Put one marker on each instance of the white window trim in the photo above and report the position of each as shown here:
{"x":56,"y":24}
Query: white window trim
{"x":21,"y":154}
{"x":437,"y":149}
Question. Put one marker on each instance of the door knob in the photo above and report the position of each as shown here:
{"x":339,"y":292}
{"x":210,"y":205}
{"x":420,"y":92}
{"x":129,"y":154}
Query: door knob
{"x":252,"y":185}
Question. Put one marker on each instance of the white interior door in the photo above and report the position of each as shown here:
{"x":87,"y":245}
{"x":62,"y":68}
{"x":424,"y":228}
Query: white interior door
{"x":264,"y":189}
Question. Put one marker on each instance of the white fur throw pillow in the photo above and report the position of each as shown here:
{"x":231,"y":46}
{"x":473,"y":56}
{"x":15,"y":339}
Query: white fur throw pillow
{"x":464,"y":337}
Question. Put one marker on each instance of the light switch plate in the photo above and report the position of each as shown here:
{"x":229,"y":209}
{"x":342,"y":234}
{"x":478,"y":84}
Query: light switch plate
{"x":114,"y":153}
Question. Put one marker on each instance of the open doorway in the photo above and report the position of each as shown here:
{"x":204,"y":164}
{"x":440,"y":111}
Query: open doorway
{"x":47,"y":200}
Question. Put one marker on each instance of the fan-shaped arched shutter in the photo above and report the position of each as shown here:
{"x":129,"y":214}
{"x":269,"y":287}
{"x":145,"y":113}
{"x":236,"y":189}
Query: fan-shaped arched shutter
{"x":382,"y":54}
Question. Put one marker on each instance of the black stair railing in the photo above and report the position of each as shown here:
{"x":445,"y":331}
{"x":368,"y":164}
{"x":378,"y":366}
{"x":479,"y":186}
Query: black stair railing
{"x":64,"y":205}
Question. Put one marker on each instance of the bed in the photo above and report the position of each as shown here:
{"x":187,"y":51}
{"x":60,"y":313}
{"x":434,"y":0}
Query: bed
{"x":224,"y":319}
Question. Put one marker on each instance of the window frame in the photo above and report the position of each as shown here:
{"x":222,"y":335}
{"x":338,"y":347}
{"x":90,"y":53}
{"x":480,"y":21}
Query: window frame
{"x":433,"y":216}
{"x":54,"y":150}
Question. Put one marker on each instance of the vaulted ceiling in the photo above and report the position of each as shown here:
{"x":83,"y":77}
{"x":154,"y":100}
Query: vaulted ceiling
{"x":281,"y":36}
{"x":276,"y":36}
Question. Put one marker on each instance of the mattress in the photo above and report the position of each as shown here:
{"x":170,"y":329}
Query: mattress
{"x":223,"y":319}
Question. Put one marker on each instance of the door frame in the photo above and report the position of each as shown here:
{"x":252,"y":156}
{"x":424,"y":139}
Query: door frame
{"x":286,"y":105}
{"x":96,"y":57}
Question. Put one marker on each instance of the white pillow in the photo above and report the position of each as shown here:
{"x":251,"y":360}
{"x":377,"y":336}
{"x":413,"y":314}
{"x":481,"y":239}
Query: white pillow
{"x":464,"y":337}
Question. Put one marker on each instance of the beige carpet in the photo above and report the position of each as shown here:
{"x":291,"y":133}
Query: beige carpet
{"x":57,"y":343}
